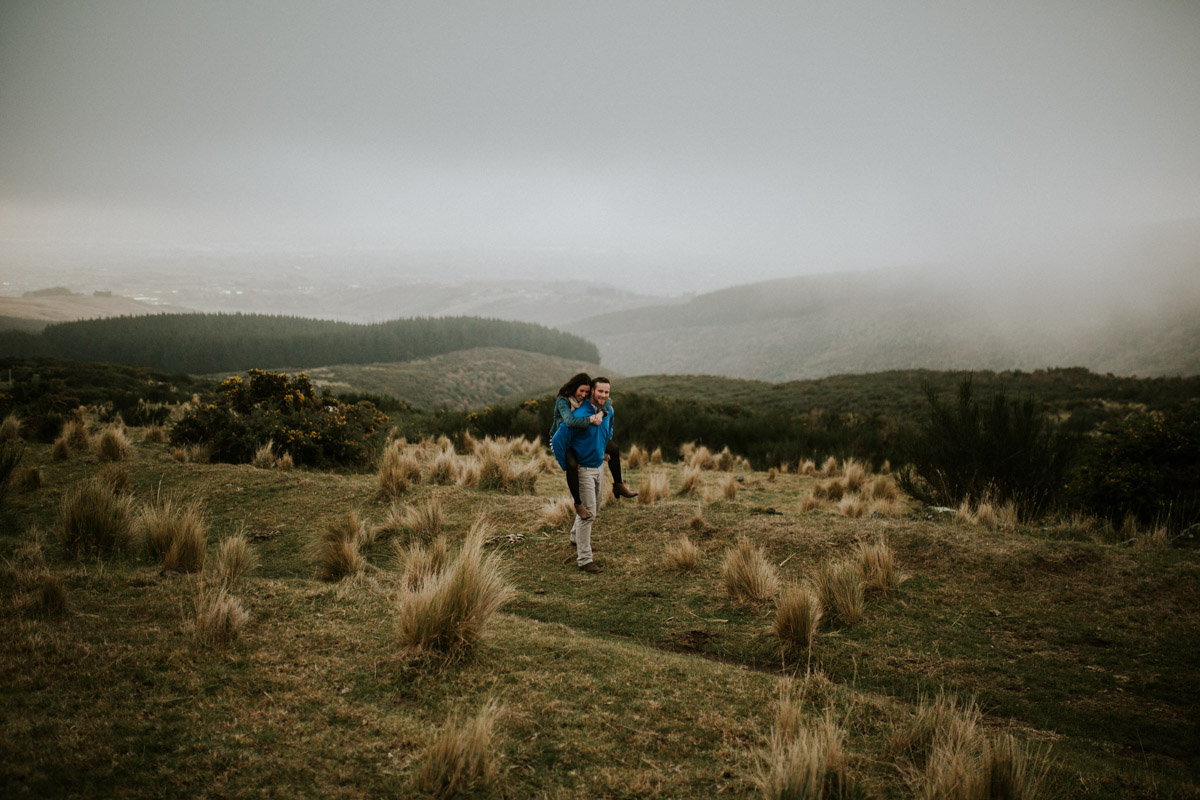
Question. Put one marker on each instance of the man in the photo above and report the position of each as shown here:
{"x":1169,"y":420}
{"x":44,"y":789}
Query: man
{"x":589,"y":444}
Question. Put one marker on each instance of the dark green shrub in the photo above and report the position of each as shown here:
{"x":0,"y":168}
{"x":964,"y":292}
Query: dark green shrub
{"x":1002,"y":450}
{"x":268,"y":406}
{"x":1146,"y":465}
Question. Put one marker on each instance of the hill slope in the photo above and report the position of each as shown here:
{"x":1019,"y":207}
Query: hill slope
{"x":471,"y":378}
{"x":34,"y":313}
{"x":814,"y":326}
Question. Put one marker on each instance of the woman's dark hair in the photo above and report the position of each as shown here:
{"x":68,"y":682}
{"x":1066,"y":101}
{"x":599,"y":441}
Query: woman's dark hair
{"x":577,"y":380}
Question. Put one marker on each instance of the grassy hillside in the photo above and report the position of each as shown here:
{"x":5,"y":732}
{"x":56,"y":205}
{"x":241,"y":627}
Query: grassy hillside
{"x":34,"y":313}
{"x":641,"y":681}
{"x":815,"y":326}
{"x":472,"y":378}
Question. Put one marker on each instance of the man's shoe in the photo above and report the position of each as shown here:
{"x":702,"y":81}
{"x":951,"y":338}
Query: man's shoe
{"x":621,"y":490}
{"x":590,"y":567}
{"x":582,"y":511}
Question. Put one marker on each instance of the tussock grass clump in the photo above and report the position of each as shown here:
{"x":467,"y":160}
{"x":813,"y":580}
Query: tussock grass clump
{"x":636,"y":458}
{"x":113,"y":444}
{"x":840,"y":585}
{"x":943,"y":720}
{"x":497,"y":471}
{"x":447,"y":613}
{"x":219,"y":617}
{"x":559,"y":513}
{"x":60,"y":450}
{"x":725,"y":459}
{"x":425,"y":520}
{"x":853,"y":475}
{"x":702,"y":458}
{"x":1008,"y":770}
{"x":772,"y":474}
{"x":37,"y":590}
{"x":155,"y":433}
{"x":656,"y":456}
{"x":77,"y":434}
{"x":468,"y":473}
{"x":461,"y":760}
{"x":830,"y":467}
{"x":886,"y":508}
{"x":852,"y":507}
{"x":747,"y":574}
{"x":31,"y":479}
{"x":192,"y":454}
{"x":1153,"y":538}
{"x":652,"y":489}
{"x":729,"y":487}
{"x":115,"y":477}
{"x":829,"y":490}
{"x":235,"y":559}
{"x":798,"y":615}
{"x":174,"y":533}
{"x":805,"y":761}
{"x":443,"y":469}
{"x":284,"y":462}
{"x":985,"y":515}
{"x":264,"y":457}
{"x":810,"y":502}
{"x":807,"y":467}
{"x":397,"y":471}
{"x":10,"y":429}
{"x":696,"y":521}
{"x":93,"y":520}
{"x":417,"y":560}
{"x":883,"y":487}
{"x":691,"y":481}
{"x":682,"y":555}
{"x":878,"y":566}
{"x":337,"y":549}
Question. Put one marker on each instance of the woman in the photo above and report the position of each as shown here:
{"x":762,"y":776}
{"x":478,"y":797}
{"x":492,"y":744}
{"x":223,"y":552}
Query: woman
{"x":570,"y":397}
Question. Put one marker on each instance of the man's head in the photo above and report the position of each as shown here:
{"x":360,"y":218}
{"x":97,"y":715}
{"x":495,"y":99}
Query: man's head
{"x":601,"y":389}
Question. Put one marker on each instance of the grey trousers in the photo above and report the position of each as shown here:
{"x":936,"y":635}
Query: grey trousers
{"x":590,"y":481}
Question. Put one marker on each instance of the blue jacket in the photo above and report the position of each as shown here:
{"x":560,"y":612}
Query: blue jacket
{"x":588,"y":443}
{"x":563,"y":415}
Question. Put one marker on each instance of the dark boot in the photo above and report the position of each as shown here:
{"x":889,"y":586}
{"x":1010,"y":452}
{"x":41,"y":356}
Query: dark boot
{"x":621,"y":490}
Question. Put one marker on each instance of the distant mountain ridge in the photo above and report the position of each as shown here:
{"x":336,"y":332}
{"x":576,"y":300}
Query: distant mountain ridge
{"x":915,"y":318}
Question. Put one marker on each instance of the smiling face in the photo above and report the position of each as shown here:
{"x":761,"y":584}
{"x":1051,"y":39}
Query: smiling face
{"x":600,"y":394}
{"x":581,"y":392}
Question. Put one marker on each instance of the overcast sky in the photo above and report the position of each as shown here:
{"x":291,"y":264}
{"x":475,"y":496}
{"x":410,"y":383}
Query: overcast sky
{"x":701,"y":143}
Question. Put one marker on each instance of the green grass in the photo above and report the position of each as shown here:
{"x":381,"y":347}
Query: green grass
{"x":636,"y":681}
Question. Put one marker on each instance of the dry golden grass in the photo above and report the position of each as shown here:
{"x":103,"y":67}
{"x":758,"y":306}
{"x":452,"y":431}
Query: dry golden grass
{"x":652,"y":489}
{"x":337,"y":548}
{"x":77,"y":434}
{"x":219,"y":617}
{"x":417,"y":561}
{"x":829,"y":490}
{"x":34,"y":588}
{"x":798,"y":614}
{"x":10,"y":429}
{"x":191,"y":454}
{"x":235,"y":559}
{"x":772,"y":474}
{"x":809,"y":503}
{"x":805,"y":761}
{"x":113,"y":444}
{"x":747,"y":575}
{"x":696,"y":521}
{"x":985,"y":515}
{"x":397,"y":470}
{"x":830,"y":467}
{"x":461,"y":761}
{"x":425,"y":520}
{"x":559,"y":513}
{"x":943,"y":719}
{"x":468,"y":473}
{"x":887,"y":508}
{"x":840,"y":585}
{"x":443,"y":469}
{"x":807,"y":467}
{"x":853,"y":475}
{"x":702,"y":458}
{"x":725,"y":460}
{"x":636,"y":459}
{"x":94,"y":520}
{"x":174,"y":534}
{"x":686,"y":451}
{"x":883,"y":487}
{"x":264,"y":457}
{"x":656,"y":456}
{"x":690,"y":483}
{"x":498,"y":471}
{"x":447,"y":613}
{"x":681,"y":555}
{"x":60,"y":450}
{"x":30,"y":480}
{"x":878,"y":566}
{"x":115,"y":477}
{"x":852,"y":507}
{"x":154,"y":433}
{"x":729,"y":487}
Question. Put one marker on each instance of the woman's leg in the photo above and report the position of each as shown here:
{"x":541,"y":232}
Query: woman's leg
{"x":619,"y":489}
{"x":572,"y":461}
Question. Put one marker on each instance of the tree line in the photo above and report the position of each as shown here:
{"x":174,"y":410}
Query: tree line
{"x":204,"y":343}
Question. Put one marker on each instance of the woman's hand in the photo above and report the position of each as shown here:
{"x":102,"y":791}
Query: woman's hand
{"x":596,"y":418}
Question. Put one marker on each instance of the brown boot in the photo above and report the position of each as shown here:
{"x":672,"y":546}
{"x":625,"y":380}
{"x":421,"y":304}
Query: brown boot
{"x":582,"y":511}
{"x":621,"y":490}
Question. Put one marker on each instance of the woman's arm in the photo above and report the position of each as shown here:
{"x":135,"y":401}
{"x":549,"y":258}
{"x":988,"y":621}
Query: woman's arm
{"x":563,"y":407}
